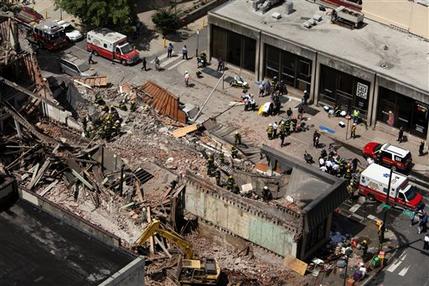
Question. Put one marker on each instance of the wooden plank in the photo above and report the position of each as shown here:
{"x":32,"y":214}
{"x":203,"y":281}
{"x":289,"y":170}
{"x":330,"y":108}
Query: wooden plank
{"x":162,"y":247}
{"x":149,"y":220}
{"x":139,"y":190}
{"x":48,"y":188}
{"x":295,"y":264}
{"x":180,"y":132}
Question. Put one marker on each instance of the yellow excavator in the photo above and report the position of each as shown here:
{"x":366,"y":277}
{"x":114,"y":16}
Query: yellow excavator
{"x":204,"y":271}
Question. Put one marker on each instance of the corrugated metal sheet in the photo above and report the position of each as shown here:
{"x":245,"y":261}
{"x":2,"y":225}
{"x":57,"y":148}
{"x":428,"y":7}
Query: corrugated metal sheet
{"x":162,"y":101}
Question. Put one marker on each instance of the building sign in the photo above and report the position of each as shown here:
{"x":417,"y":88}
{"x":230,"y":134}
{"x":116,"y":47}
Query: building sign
{"x":362,"y":90}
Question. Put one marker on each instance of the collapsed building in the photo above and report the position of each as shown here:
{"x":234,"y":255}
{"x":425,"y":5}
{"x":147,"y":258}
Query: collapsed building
{"x":297,"y":220}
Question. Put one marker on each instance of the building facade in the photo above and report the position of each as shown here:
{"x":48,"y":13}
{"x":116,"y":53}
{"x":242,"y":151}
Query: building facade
{"x":382,"y":72}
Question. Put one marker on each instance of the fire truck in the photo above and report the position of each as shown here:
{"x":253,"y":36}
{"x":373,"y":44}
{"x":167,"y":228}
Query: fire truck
{"x":48,"y":35}
{"x":111,"y":45}
{"x":374,"y":181}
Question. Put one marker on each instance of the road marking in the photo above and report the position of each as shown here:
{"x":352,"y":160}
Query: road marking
{"x":404,"y":271}
{"x":169,"y":61}
{"x":176,"y":64}
{"x":394,"y":266}
{"x":354,"y":208}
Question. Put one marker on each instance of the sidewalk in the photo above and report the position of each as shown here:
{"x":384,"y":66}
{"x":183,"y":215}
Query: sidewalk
{"x":259,"y":123}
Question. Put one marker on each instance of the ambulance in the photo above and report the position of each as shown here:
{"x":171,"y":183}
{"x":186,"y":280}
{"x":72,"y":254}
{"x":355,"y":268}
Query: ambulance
{"x":374,"y":182}
{"x":111,"y":45}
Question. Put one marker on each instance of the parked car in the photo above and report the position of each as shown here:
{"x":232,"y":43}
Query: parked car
{"x":389,"y":155}
{"x":72,"y":33}
{"x":74,"y":66}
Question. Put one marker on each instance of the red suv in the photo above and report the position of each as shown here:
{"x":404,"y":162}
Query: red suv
{"x":389,"y":155}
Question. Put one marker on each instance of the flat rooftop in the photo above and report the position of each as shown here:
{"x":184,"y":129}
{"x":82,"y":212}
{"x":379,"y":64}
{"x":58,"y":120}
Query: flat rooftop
{"x":37,"y":249}
{"x":406,"y":56}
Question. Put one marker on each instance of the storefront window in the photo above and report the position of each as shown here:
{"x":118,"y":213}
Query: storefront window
{"x":398,"y":110}
{"x":291,"y":68}
{"x":233,"y":48}
{"x":342,"y":88}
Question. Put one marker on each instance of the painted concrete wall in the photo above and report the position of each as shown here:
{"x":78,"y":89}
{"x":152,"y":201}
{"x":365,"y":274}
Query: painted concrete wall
{"x":405,"y":14}
{"x":131,"y":275}
{"x":241,"y":222}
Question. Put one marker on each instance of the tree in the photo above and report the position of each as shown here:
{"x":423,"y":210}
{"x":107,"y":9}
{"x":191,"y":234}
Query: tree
{"x":166,"y":21}
{"x":119,"y":14}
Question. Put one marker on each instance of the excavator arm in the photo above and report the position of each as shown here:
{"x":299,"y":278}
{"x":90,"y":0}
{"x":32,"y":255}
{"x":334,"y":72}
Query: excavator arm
{"x":155,"y":228}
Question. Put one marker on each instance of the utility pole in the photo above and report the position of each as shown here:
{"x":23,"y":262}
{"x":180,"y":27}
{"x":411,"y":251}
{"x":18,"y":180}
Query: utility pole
{"x":383,"y":226}
{"x":198,"y":42}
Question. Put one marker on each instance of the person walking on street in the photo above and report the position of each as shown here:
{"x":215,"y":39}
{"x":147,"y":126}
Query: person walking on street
{"x":426,"y":242}
{"x":422,"y":223}
{"x":282,"y":133}
{"x":421,"y":148}
{"x":353,"y":131}
{"x":237,"y":138}
{"x":144,"y":64}
{"x":220,"y":65}
{"x":184,"y":53}
{"x":316,"y":138}
{"x":170,"y":50}
{"x":305,"y":97}
{"x":400,"y":135}
{"x":90,"y":60}
{"x":187,"y":76}
{"x":157,"y":63}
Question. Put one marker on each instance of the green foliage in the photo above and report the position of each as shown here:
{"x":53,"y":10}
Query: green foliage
{"x":118,"y":14}
{"x":166,"y":21}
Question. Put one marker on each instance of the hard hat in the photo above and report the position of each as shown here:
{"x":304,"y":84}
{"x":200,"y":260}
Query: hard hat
{"x":265,"y":188}
{"x":236,"y":132}
{"x":270,"y":124}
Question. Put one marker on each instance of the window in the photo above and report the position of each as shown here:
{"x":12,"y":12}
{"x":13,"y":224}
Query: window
{"x":272,"y":61}
{"x":118,"y":51}
{"x":401,"y":196}
{"x":386,"y":155}
{"x":398,"y":159}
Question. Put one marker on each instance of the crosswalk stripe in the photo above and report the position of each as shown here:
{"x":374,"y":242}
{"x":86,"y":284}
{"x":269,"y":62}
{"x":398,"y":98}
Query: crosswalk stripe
{"x":404,"y":271}
{"x":176,"y":64}
{"x":394,"y":266}
{"x":169,"y":61}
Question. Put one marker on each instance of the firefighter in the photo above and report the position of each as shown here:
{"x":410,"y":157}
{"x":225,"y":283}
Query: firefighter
{"x":270,"y":131}
{"x":348,"y":174}
{"x":222,"y":158}
{"x":122,"y":106}
{"x":237,"y":138}
{"x":230,"y":183}
{"x":218,"y":177}
{"x":287,"y":126}
{"x":292,"y":125}
{"x":266,"y":194}
{"x":353,"y":131}
{"x":210,"y":165}
{"x":133,"y":106}
{"x":282,"y":133}
{"x":98,"y":99}
{"x":234,"y":152}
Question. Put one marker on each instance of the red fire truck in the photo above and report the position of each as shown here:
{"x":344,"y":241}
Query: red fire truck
{"x":111,"y":45}
{"x":48,"y":35}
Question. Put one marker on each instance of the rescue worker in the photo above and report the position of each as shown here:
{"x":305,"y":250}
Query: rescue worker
{"x":222,"y":158}
{"x":316,"y":138}
{"x":275,"y":127}
{"x":289,"y":112}
{"x":237,"y":138}
{"x":133,"y":106}
{"x":421,"y":148}
{"x":287,"y":126}
{"x":234,"y":152}
{"x":122,"y":106}
{"x":348,"y":174}
{"x":230,"y":183}
{"x":354,"y":164}
{"x":270,"y":131}
{"x":98,"y":99}
{"x":282,"y":133}
{"x":355,"y":115}
{"x":210,"y":165}
{"x":292,"y":125}
{"x":266,"y":194}
{"x":400,"y":135}
{"x":353,"y":131}
{"x":218,"y":177}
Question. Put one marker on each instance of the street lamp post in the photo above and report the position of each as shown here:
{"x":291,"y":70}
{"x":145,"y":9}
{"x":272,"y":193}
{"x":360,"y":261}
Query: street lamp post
{"x":383,"y":226}
{"x":198,"y":42}
{"x":348,"y":253}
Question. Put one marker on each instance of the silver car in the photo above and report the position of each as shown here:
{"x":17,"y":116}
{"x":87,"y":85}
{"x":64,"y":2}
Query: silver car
{"x":74,"y":66}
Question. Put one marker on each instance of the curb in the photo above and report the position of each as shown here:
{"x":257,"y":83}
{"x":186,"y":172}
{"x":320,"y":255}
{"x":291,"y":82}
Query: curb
{"x":371,"y":277}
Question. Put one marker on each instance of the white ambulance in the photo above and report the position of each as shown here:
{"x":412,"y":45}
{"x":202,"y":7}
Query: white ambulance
{"x":374,"y":182}
{"x":111,"y":45}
